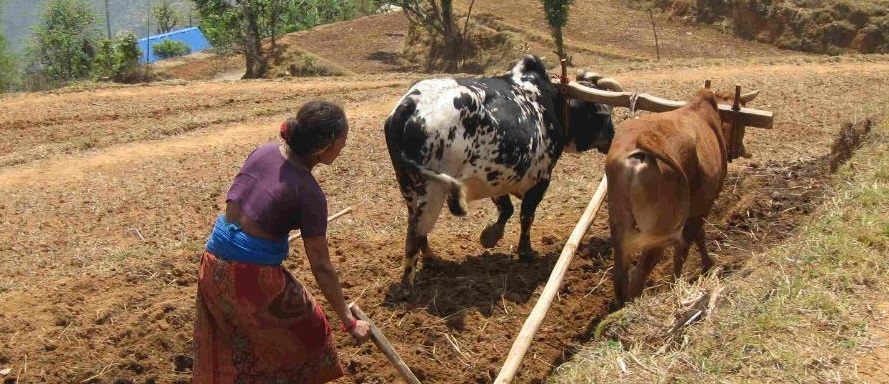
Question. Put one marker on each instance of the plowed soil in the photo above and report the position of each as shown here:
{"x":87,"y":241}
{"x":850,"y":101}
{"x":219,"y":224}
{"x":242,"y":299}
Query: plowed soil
{"x":99,"y":244}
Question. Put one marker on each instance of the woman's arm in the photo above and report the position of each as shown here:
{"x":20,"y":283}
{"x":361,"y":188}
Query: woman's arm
{"x":328,"y":281}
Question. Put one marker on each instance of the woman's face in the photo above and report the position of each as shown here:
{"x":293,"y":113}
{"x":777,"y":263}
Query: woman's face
{"x":331,"y":153}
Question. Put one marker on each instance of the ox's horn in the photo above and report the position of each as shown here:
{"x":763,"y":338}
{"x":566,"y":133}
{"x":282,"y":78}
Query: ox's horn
{"x":610,"y":84}
{"x":749,"y":96}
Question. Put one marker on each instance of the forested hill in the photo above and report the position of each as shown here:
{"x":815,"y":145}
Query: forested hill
{"x":18,"y":16}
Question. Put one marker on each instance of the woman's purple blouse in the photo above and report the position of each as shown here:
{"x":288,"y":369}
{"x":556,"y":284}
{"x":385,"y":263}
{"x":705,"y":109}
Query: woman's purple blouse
{"x":278,"y":195}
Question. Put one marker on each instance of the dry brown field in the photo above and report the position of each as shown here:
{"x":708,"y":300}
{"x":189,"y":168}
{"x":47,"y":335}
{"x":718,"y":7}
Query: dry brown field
{"x":108,"y":193}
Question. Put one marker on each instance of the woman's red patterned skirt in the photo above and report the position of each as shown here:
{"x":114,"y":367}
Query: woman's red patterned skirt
{"x":257,"y":324}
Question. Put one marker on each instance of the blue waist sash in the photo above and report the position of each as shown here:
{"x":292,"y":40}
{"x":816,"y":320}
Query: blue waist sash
{"x":229,"y":242}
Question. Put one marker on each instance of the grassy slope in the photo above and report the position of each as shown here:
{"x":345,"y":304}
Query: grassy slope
{"x":803,"y":312}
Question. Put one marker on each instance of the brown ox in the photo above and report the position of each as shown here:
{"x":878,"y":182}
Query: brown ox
{"x":664,"y":172}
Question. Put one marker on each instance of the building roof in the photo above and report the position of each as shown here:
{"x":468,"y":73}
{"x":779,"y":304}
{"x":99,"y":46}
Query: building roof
{"x":193,"y":37}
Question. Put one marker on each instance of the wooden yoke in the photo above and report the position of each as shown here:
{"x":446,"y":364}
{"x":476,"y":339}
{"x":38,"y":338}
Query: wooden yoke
{"x":747,"y":117}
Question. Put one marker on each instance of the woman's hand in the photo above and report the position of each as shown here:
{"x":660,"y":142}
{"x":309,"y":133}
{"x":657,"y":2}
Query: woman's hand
{"x":360,"y":332}
{"x":328,"y":281}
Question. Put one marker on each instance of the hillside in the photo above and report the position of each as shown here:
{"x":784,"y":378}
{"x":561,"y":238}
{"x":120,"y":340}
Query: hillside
{"x":375,"y":44}
{"x":830,"y":27}
{"x":19,"y":16}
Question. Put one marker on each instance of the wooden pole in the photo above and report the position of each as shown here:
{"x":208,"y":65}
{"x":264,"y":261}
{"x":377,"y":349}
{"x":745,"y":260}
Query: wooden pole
{"x":566,"y":108}
{"x":657,"y":46}
{"x":532,"y":323}
{"x":383,"y":343}
{"x":738,"y":128}
{"x":335,"y":216}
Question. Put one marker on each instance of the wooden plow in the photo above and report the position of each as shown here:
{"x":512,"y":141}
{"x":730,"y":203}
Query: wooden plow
{"x":383,"y":344}
{"x":739,"y":118}
{"x":379,"y":339}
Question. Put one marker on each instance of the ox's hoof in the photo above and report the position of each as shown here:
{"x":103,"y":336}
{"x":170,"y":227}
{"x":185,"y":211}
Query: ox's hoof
{"x":615,"y":305}
{"x":527,"y":255}
{"x":407,"y":285}
{"x":404,"y":292}
{"x":491,"y":235}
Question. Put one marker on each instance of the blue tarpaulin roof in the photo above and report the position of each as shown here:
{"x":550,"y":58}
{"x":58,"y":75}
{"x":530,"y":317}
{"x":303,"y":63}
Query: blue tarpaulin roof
{"x":191,"y":36}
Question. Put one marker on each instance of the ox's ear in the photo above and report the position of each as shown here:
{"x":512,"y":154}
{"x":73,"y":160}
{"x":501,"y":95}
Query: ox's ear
{"x":749,"y":96}
{"x":531,"y":63}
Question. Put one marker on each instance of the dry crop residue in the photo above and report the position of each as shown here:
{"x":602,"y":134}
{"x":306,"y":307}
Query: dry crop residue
{"x":99,"y":270}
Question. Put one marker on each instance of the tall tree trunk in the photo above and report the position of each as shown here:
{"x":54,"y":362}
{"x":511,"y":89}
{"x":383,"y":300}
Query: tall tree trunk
{"x":274,"y":14}
{"x":257,"y":63}
{"x":453,"y":40}
{"x":447,"y":18}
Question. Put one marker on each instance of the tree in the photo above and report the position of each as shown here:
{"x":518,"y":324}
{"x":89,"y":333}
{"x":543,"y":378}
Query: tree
{"x":118,"y":59}
{"x":221,"y":23}
{"x":437,"y":18}
{"x":127,"y":54}
{"x":104,"y":61}
{"x":64,"y":40}
{"x":557,"y":16}
{"x":166,"y":16}
{"x":9,"y":74}
{"x":244,"y":24}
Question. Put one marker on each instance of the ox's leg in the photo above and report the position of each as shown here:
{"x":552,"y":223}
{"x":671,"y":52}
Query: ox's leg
{"x":639,"y":275}
{"x":530,"y":202}
{"x":494,"y":231}
{"x":411,"y":251}
{"x":620,"y":267}
{"x":680,"y":251}
{"x":423,"y":212}
{"x":700,"y":239}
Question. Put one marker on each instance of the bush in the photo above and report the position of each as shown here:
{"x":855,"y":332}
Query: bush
{"x":118,"y":60}
{"x":104,"y":62}
{"x":9,"y":73}
{"x":171,"y":48}
{"x":127,"y":60}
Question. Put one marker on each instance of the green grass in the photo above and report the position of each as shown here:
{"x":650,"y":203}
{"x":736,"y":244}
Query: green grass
{"x":800,"y":312}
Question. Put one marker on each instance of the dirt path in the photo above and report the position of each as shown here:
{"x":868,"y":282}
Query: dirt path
{"x":752,"y":72}
{"x":71,"y":123}
{"x":76,"y":168}
{"x":229,"y":75}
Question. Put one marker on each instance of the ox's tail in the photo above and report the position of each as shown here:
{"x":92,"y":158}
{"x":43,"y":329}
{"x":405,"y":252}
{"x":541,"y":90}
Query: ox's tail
{"x":653,"y":145}
{"x":395,"y":131}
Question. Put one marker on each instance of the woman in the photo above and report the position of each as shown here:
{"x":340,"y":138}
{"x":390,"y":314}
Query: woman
{"x":256,"y":323}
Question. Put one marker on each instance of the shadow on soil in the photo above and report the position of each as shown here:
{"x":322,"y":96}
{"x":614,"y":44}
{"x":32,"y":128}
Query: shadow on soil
{"x":448,"y":289}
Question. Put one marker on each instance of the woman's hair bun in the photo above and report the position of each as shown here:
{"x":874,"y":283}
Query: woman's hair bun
{"x":315,"y":127}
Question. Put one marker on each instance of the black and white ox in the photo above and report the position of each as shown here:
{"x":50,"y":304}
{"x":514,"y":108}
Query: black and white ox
{"x":459,"y":140}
